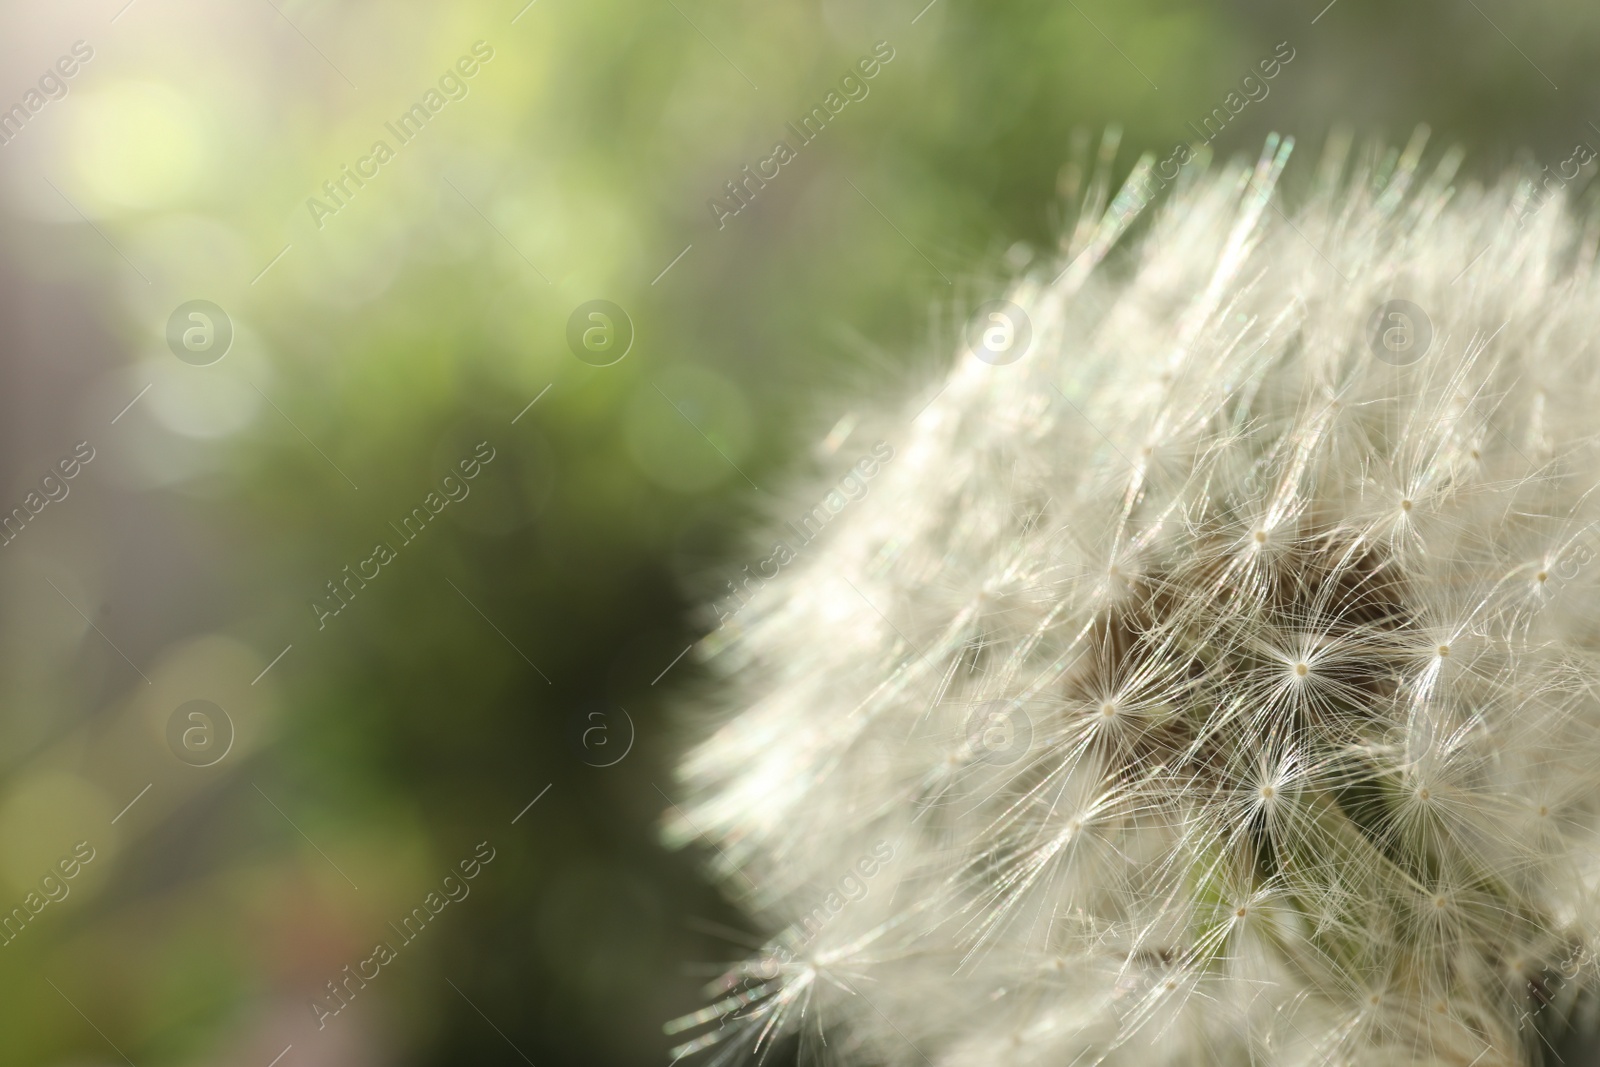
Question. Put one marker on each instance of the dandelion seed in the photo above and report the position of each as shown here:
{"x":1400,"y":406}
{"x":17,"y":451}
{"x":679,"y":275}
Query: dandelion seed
{"x":1297,"y":767}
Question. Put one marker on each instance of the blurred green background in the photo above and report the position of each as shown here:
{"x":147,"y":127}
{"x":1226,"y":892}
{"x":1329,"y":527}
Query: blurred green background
{"x":529,"y":644}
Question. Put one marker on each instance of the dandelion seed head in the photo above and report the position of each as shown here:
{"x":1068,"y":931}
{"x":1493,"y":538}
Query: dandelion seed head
{"x":1193,"y":687}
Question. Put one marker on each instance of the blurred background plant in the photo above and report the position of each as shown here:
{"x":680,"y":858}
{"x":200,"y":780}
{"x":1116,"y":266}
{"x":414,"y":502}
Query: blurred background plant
{"x":530,"y":642}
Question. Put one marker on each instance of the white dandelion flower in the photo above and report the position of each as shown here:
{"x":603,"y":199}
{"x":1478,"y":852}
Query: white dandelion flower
{"x":1216,"y":675}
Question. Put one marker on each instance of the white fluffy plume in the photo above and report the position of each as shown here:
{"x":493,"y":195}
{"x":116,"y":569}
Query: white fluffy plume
{"x":1216,"y":683}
